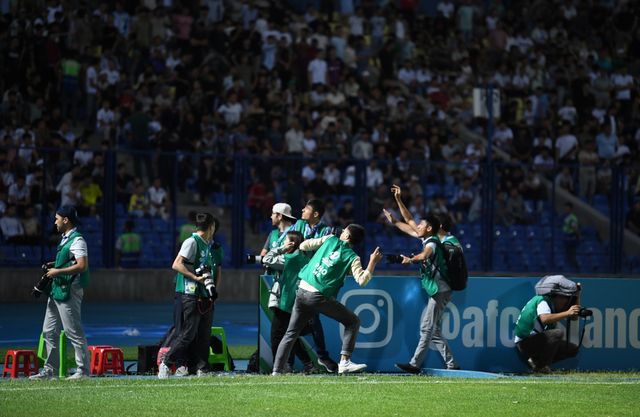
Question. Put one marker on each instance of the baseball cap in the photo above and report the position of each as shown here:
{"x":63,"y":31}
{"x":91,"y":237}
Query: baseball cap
{"x":284,"y":209}
{"x":69,"y":212}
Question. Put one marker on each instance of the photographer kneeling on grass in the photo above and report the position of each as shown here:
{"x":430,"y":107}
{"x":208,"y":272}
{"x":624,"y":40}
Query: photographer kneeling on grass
{"x":198,"y":272}
{"x":536,"y":336}
{"x":321,"y":279}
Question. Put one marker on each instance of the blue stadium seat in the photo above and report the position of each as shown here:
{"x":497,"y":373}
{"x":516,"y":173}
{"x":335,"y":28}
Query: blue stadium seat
{"x":160,"y":225}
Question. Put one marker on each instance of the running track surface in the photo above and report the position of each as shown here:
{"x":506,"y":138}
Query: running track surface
{"x":129,"y":324}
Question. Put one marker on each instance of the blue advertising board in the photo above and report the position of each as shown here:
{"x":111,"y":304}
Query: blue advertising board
{"x":479,"y":324}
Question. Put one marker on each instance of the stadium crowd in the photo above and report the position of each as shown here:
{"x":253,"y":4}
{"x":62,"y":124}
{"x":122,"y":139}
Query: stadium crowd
{"x":348,"y":80}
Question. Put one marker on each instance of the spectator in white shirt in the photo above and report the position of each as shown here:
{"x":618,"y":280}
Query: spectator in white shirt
{"x":309,"y":144}
{"x":231,"y":111}
{"x":121,"y":20}
{"x":362,"y":148}
{"x":19,"y":192}
{"x":446,"y":9}
{"x":349,"y":180}
{"x":566,"y":146}
{"x":294,"y":138}
{"x":407,"y":74}
{"x":332,"y":176}
{"x":111,"y":72}
{"x":11,"y":227}
{"x":356,"y":22}
{"x":503,"y":137}
{"x":158,"y":199}
{"x":317,"y":70}
{"x":83,"y":155}
{"x":568,"y":112}
{"x":105,"y":119}
{"x":309,"y":172}
{"x":70,"y":193}
{"x":374,"y":175}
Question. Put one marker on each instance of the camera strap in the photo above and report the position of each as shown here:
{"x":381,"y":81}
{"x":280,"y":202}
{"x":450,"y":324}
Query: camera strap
{"x":584,"y":328}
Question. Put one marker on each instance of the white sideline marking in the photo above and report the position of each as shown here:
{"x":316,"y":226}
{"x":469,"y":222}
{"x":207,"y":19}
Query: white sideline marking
{"x":33,"y":386}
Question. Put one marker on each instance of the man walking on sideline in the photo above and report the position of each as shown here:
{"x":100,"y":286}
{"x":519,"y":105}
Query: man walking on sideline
{"x":70,"y":275}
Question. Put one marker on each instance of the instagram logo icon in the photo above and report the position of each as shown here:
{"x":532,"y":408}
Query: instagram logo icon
{"x":375,"y":310}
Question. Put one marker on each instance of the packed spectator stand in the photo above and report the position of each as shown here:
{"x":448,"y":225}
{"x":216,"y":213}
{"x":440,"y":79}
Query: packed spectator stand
{"x":133,"y":110}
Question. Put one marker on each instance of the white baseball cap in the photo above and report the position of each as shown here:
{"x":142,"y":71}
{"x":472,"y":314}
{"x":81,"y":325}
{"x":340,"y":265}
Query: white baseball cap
{"x":284,"y":209}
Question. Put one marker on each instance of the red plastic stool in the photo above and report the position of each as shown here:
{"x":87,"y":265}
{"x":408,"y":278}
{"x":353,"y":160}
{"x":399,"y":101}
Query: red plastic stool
{"x":161,"y":354}
{"x":108,"y":359}
{"x":13,"y":364}
{"x":94,"y":356}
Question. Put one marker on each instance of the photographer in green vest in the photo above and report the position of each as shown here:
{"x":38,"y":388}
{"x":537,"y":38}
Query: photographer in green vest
{"x":537,"y":337}
{"x":433,"y":274}
{"x":282,"y":220}
{"x":311,"y":227}
{"x":69,"y":277}
{"x":320,"y":282}
{"x":198,"y":267}
{"x":287,"y":261}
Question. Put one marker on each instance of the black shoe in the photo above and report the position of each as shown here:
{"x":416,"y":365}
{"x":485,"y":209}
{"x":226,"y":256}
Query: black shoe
{"x":309,"y":368}
{"x":328,"y":364}
{"x":453,"y":368}
{"x":407,"y":367}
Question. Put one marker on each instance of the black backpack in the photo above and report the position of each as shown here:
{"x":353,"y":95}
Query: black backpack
{"x":456,"y":265}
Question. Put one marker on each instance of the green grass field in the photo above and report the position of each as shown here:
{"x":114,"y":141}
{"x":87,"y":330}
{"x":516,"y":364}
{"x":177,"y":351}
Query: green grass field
{"x":614,"y":394}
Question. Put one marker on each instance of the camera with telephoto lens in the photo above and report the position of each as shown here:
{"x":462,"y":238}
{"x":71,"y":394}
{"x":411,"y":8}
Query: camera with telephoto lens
{"x":393,"y":259}
{"x":583,"y":312}
{"x":44,"y":283}
{"x":204,"y":271}
{"x":254,"y":259}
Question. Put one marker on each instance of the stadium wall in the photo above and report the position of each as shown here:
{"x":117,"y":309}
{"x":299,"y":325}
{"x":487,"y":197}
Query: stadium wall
{"x":478,"y":323}
{"x":139,"y":285}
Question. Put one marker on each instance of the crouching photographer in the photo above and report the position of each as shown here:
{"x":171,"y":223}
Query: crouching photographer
{"x":198,"y":267}
{"x":537,"y":337}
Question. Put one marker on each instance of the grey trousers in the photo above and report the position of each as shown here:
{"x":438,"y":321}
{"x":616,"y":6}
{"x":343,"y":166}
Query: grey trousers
{"x":431,"y":332}
{"x":306,"y":306}
{"x":66,"y":315}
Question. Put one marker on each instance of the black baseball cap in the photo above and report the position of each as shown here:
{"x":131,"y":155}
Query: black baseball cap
{"x":69,"y":212}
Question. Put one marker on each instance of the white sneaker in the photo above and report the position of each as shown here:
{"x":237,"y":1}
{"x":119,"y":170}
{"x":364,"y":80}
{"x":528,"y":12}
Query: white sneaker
{"x":347,"y":367}
{"x":45,"y":373}
{"x":181,"y":371}
{"x":163,"y":371}
{"x":76,"y":376}
{"x":275,"y":373}
{"x":202,"y":373}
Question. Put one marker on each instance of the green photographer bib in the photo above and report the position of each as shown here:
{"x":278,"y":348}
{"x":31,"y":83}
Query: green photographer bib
{"x":329,"y":266}
{"x":526,"y":323}
{"x":206,"y":254}
{"x":61,"y":284}
{"x":288,"y":280}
